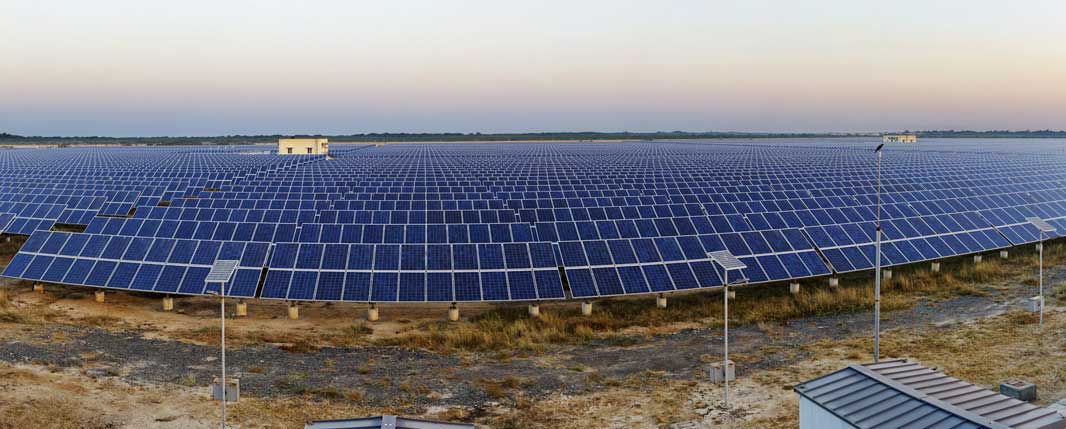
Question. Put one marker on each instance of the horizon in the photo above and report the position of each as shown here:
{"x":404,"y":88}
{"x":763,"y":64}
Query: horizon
{"x":119,"y":68}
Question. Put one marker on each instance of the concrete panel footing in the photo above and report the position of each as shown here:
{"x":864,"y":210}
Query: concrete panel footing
{"x":886,"y":274}
{"x":242,"y":309}
{"x":977,"y":259}
{"x":99,"y":296}
{"x":586,"y":308}
{"x":660,"y":301}
{"x":794,"y":288}
{"x":294,"y":311}
{"x":935,"y":267}
{"x":534,"y":310}
{"x":372,"y":313}
{"x":1004,"y":254}
{"x":732,"y":295}
{"x":38,"y":287}
{"x":834,"y":281}
{"x":1037,"y":247}
{"x":168,"y":303}
{"x":453,"y":313}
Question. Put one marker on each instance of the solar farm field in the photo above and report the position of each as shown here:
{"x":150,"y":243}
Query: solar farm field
{"x":492,"y":227}
{"x":512,"y":221}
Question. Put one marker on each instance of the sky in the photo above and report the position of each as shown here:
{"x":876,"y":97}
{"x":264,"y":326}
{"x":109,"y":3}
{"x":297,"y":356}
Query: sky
{"x":223,"y":67}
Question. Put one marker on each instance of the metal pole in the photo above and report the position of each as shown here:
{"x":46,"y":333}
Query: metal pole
{"x":877,"y":266}
{"x":1041,"y":279}
{"x":222,"y":295}
{"x":725,"y":364}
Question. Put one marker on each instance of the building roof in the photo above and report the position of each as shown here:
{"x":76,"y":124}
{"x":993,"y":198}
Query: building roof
{"x":384,"y":422}
{"x":902,"y":394}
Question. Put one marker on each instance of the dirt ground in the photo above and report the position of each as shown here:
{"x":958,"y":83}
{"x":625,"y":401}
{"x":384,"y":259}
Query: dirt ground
{"x":67,"y":361}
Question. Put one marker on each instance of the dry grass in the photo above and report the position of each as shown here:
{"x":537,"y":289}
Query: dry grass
{"x":512,"y":329}
{"x":986,"y":352}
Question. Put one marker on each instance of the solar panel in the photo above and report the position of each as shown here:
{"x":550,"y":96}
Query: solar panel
{"x":726,"y":259}
{"x":465,"y":222}
{"x":1040,"y":224}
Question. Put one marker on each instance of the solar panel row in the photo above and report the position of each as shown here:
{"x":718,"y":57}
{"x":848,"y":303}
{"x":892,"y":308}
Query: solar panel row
{"x":447,"y":222}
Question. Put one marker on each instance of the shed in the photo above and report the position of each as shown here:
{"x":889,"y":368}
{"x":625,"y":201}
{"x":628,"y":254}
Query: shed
{"x":384,"y":422}
{"x":903,"y":394}
{"x":303,"y":146}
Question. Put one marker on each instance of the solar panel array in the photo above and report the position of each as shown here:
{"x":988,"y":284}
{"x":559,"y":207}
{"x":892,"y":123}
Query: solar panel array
{"x":511,"y":221}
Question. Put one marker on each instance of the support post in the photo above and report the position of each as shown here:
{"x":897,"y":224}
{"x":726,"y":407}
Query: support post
{"x":242,"y":308}
{"x":99,"y":296}
{"x":294,"y":311}
{"x":586,"y":308}
{"x":372,"y":313}
{"x":660,"y":301}
{"x":453,"y":313}
{"x":935,"y":267}
{"x":725,"y":339}
{"x":534,"y":310}
{"x":794,"y":288}
{"x":1041,"y":280}
{"x":168,"y":303}
{"x":877,"y":263}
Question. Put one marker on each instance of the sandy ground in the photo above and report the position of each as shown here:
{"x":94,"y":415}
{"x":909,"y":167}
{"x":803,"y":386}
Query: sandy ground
{"x":66,"y":361}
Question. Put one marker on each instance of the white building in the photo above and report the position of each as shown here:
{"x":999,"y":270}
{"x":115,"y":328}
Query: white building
{"x":303,"y":146}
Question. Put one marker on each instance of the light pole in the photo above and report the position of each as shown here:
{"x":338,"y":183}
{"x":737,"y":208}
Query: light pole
{"x":1044,"y":227}
{"x":877,"y":264}
{"x":220,"y":273}
{"x":728,"y":262}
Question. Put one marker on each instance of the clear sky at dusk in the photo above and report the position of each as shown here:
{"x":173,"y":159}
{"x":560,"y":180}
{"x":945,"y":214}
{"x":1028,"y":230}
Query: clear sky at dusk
{"x":140,"y":68}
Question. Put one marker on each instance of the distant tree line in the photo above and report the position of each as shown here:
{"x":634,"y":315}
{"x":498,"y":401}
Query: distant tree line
{"x":993,"y":134}
{"x":8,"y":138}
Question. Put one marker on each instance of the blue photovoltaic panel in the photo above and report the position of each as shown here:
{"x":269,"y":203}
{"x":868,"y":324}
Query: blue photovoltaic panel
{"x":475,"y":222}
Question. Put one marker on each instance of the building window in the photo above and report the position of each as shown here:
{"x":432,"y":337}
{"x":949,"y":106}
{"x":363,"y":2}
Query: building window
{"x":289,"y":149}
{"x":308,"y":150}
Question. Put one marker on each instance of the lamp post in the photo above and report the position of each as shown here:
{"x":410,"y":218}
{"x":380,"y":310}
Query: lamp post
{"x":1044,"y":227}
{"x":728,"y":262}
{"x":220,"y":273}
{"x":877,"y":264}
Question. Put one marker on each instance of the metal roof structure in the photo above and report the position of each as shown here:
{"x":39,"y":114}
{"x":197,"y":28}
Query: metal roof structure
{"x":384,"y":422}
{"x":903,"y":394}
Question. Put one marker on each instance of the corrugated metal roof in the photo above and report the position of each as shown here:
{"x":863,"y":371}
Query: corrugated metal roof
{"x":903,"y":395}
{"x":965,"y":396}
{"x":384,"y":422}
